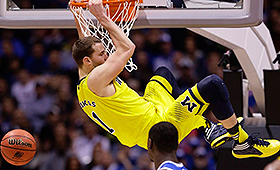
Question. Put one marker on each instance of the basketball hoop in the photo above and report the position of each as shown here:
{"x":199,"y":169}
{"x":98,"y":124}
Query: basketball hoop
{"x":122,"y":12}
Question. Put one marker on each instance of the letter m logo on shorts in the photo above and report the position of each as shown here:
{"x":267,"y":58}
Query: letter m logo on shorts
{"x":190,"y":105}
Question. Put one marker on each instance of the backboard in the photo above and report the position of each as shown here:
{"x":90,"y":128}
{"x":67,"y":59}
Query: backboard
{"x":153,"y":14}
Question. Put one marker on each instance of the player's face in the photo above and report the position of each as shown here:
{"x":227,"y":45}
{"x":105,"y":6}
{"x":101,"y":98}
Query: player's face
{"x":99,"y":56}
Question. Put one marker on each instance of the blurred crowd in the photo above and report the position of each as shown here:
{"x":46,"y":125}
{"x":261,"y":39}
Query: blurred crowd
{"x":38,"y":93}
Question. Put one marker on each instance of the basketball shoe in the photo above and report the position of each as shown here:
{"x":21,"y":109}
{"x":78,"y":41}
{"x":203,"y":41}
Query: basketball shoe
{"x":215,"y":133}
{"x":255,"y":146}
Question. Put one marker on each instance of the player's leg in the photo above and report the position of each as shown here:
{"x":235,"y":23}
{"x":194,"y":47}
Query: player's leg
{"x":172,"y":86}
{"x":162,"y":88}
{"x":164,"y":78}
{"x":213,"y":90}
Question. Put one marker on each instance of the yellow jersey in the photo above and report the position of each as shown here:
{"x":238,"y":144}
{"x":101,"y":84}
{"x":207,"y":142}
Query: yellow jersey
{"x":129,"y":116}
{"x":121,"y":114}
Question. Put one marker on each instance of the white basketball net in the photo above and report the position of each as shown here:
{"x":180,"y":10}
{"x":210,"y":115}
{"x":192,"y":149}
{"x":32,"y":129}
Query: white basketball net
{"x":123,"y":18}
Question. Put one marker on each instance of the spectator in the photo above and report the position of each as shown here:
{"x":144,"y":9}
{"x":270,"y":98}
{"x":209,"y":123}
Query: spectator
{"x":37,"y":63}
{"x":197,"y":56}
{"x":144,"y":72}
{"x":8,"y":107}
{"x":42,"y":105}
{"x":107,"y":162}
{"x":6,"y":59}
{"x":139,"y":40}
{"x":54,"y":62}
{"x":72,"y":163}
{"x":212,"y":61}
{"x":84,"y":144}
{"x":144,"y":162}
{"x":24,"y":90}
{"x":4,"y":89}
{"x":64,"y":94}
{"x":37,"y":35}
{"x":202,"y":160}
{"x":123,"y":158}
{"x":20,"y":121}
{"x":152,"y":42}
{"x":185,"y":72}
{"x":8,"y":38}
{"x":56,"y":159}
{"x":96,"y":156}
{"x":166,"y":53}
{"x":54,"y":40}
{"x":14,"y":66}
{"x":66,"y":52}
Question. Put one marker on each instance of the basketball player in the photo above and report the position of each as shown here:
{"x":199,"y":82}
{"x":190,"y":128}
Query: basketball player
{"x":109,"y":102}
{"x":162,"y":147}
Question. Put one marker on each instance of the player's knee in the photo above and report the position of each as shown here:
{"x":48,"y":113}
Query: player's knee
{"x":211,"y":82}
{"x":213,"y":87}
{"x":219,"y":86}
{"x":215,"y":80}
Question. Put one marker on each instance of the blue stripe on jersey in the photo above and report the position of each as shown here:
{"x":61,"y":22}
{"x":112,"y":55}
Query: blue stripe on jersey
{"x":172,"y":166}
{"x":119,"y":81}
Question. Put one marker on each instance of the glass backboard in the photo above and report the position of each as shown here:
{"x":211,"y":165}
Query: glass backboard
{"x":153,"y":14}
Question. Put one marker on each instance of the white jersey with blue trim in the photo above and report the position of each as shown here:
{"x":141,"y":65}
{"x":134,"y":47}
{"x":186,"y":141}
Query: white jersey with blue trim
{"x":170,"y":165}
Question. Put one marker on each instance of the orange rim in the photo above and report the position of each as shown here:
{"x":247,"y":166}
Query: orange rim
{"x":83,"y":3}
{"x":119,"y":1}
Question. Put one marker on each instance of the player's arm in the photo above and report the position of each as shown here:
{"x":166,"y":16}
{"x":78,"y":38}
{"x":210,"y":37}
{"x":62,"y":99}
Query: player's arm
{"x":106,"y":72}
{"x":78,"y":25}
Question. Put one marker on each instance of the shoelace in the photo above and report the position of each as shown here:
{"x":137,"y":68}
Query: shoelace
{"x":254,"y":138}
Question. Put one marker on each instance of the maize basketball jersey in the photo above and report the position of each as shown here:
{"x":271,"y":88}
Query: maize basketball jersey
{"x":129,"y":116}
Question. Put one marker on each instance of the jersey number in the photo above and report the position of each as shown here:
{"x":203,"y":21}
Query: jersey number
{"x":102,"y":123}
{"x":190,"y":105}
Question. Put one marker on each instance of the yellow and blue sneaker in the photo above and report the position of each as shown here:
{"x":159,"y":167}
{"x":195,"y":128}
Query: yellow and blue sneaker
{"x":215,"y":133}
{"x":255,"y":147}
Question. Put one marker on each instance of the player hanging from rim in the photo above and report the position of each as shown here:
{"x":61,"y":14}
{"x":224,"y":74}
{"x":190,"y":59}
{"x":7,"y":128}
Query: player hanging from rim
{"x":109,"y":102}
{"x":162,"y":147}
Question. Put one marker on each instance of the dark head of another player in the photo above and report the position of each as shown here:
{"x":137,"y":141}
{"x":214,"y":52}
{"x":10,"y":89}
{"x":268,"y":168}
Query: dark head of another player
{"x":89,"y":52}
{"x":162,"y":141}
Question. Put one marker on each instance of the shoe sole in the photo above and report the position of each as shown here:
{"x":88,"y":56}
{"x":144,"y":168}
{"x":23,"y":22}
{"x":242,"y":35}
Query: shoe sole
{"x":276,"y":145}
{"x":221,"y":140}
{"x":253,"y":156}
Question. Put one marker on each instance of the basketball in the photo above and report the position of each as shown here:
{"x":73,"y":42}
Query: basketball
{"x":18,"y":147}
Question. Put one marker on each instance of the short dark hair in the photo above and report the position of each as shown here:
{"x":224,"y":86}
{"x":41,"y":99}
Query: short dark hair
{"x":83,"y":47}
{"x":164,"y":136}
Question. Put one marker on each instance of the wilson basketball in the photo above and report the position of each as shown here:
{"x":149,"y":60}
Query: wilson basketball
{"x":18,"y":147}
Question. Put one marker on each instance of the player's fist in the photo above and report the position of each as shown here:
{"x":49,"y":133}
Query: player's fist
{"x":96,"y":8}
